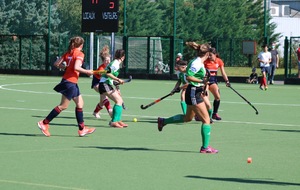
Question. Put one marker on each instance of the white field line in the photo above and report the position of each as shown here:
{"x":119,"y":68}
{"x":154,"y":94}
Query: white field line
{"x":38,"y":184}
{"x":4,"y":87}
{"x":145,"y":116}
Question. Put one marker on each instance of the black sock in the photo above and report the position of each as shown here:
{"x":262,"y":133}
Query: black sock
{"x":216,"y":106}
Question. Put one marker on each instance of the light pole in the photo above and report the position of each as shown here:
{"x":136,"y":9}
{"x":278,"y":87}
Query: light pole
{"x":124,"y":24}
{"x":49,"y":30}
{"x":266,"y":38}
{"x":174,"y":39}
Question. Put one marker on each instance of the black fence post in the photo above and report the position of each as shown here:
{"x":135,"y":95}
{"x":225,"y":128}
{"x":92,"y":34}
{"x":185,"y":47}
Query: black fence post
{"x":148,"y":55}
{"x":20,"y":53}
{"x":285,"y":58}
{"x":125,"y":47}
{"x":47,"y":64}
{"x":172,"y":55}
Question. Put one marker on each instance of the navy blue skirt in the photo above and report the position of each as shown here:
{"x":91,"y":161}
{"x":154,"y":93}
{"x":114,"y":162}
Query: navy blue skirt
{"x":95,"y":82}
{"x":68,"y":89}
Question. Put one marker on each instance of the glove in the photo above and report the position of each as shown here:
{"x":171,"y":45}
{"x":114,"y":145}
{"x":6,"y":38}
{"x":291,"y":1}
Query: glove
{"x":228,"y":83}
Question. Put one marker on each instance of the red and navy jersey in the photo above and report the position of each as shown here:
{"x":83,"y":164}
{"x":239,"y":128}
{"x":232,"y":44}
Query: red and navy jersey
{"x":213,"y":66}
{"x":70,"y":58}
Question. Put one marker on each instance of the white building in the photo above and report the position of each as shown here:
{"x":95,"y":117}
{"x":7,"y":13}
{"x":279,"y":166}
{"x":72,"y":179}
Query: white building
{"x":286,"y":15}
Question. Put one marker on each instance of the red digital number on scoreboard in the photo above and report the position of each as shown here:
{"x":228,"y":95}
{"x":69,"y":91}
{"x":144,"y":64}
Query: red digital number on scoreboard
{"x":111,"y":4}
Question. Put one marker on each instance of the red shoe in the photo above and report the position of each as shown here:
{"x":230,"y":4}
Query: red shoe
{"x":44,"y":128}
{"x":215,"y":116}
{"x":85,"y":131}
{"x":115,"y":124}
{"x":122,"y":124}
{"x":208,"y":150}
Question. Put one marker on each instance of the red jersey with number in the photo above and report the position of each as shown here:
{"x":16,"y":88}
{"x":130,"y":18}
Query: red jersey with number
{"x":213,"y":66}
{"x":71,"y":74}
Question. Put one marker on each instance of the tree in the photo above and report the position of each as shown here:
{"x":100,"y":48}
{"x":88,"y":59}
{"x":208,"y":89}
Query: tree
{"x":144,"y":18}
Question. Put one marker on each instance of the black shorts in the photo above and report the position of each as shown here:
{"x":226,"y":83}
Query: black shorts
{"x":193,"y":95}
{"x":104,"y":87}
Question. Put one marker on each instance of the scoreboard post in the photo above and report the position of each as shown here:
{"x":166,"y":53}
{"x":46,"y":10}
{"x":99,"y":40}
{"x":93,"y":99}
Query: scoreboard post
{"x":100,"y":16}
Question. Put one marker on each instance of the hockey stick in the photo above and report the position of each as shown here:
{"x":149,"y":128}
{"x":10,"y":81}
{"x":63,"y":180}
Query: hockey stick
{"x":156,"y":101}
{"x":244,"y":99}
{"x":118,"y":88}
{"x":125,"y":81}
{"x":207,"y":77}
{"x":100,"y":71}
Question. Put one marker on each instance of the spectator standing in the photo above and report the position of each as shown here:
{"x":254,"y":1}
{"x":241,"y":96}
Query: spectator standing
{"x":274,"y":63}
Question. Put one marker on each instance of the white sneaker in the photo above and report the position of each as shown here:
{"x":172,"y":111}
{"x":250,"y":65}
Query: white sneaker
{"x":97,"y":115}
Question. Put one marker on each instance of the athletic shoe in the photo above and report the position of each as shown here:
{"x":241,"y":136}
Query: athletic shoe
{"x":260,"y":87}
{"x":97,"y":115}
{"x":115,"y":125}
{"x":122,"y":124}
{"x":160,"y":123}
{"x":208,"y":150}
{"x":44,"y":128}
{"x":85,"y":131}
{"x":215,"y":116}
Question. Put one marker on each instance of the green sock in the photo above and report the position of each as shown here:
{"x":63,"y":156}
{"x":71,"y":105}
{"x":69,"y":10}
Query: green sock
{"x":205,"y":133}
{"x":210,"y":112}
{"x":174,"y":119}
{"x":117,"y":112}
{"x":183,"y":107}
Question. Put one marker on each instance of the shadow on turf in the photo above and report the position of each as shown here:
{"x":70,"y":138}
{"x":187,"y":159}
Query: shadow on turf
{"x":291,"y":131}
{"x":18,"y":134}
{"x":58,"y":117}
{"x":135,"y":149}
{"x":35,"y":135}
{"x":241,"y":180}
{"x":73,"y":118}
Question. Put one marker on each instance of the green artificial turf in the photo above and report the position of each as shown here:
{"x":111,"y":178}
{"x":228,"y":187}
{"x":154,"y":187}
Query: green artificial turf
{"x":140,"y":157}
